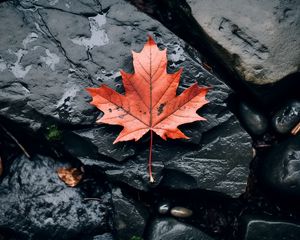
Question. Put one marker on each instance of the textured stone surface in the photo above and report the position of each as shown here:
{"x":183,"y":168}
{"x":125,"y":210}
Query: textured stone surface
{"x":105,"y":236}
{"x":170,"y":229}
{"x":280,"y":169}
{"x":129,"y":216}
{"x":102,"y":138}
{"x":270,"y":229}
{"x":54,"y":51}
{"x":259,"y":40}
{"x":287,"y":117}
{"x":36,"y":204}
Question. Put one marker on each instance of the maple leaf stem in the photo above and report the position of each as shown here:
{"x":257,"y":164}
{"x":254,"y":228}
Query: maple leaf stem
{"x":150,"y":157}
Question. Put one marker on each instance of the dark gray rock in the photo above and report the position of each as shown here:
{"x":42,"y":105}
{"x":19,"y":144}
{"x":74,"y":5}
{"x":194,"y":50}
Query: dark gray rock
{"x":287,"y":117}
{"x":255,"y":122}
{"x":270,"y":229}
{"x":229,"y":172}
{"x":57,"y":50}
{"x":36,"y":204}
{"x":259,"y":40}
{"x":170,"y":229}
{"x":102,"y":138}
{"x":39,"y":83}
{"x":219,"y":164}
{"x":129,"y":216}
{"x":280,"y":169}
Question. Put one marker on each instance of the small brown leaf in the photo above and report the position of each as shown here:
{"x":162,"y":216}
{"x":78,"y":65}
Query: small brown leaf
{"x":70,"y":176}
{"x":1,"y":167}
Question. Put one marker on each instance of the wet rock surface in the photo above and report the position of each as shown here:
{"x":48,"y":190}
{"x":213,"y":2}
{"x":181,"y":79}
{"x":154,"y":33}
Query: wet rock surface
{"x":254,"y":121}
{"x":270,"y":229}
{"x":77,"y":60}
{"x":242,"y":33}
{"x":55,"y":49}
{"x":170,"y":229}
{"x":129,"y":217}
{"x":279,"y":171}
{"x":287,"y":117}
{"x":36,"y":204}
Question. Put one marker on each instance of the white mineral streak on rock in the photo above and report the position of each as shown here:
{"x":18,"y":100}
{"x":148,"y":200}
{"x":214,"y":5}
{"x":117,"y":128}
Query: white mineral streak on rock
{"x":16,"y":68}
{"x":51,"y":59}
{"x":2,"y":65}
{"x":98,"y":34}
{"x":30,"y":38}
{"x":67,"y":96}
{"x":53,"y":2}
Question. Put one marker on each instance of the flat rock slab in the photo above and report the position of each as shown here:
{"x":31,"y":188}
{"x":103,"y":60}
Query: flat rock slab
{"x":55,"y":50}
{"x":268,"y":229}
{"x":259,"y":40}
{"x":36,"y":204}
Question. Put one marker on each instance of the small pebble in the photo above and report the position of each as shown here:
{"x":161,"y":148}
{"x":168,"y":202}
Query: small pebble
{"x":287,"y":117}
{"x":164,"y":208}
{"x":255,"y":122}
{"x":181,"y":212}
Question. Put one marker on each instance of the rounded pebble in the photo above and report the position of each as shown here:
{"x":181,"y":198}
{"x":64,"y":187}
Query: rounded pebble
{"x":164,"y":208}
{"x":255,"y":122}
{"x":181,"y":212}
{"x":287,"y":117}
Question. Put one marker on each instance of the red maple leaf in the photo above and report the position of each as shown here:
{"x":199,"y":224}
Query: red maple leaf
{"x":150,"y":102}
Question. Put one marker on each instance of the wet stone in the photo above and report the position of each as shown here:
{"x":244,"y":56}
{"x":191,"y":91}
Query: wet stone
{"x":129,"y":216}
{"x":171,"y":229}
{"x":242,"y":34}
{"x":36,"y":204}
{"x":279,"y":170}
{"x":254,"y":121}
{"x":287,"y":117}
{"x":57,"y":49}
{"x":269,"y":229}
{"x":100,"y":138}
{"x":164,"y":208}
{"x":181,"y":212}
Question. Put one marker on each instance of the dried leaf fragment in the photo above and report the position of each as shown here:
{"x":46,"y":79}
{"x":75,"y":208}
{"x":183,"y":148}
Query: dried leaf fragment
{"x":70,"y":176}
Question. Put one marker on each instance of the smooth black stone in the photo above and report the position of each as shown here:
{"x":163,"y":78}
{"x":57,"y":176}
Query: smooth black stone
{"x":129,"y":216}
{"x":36,"y":204}
{"x":254,"y":121}
{"x":287,"y":117}
{"x":270,"y":229}
{"x":279,"y":170}
{"x":171,"y":229}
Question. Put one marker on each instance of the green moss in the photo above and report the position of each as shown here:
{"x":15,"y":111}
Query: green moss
{"x":53,"y":133}
{"x":136,"y":238}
